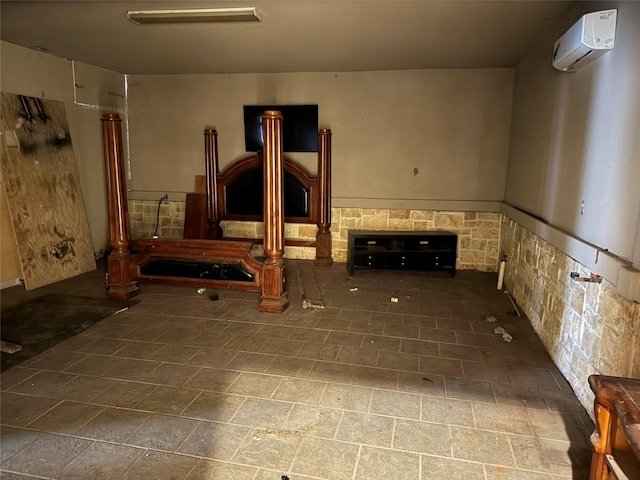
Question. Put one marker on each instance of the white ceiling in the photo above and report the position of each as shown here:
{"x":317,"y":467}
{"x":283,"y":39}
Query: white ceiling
{"x":293,"y":36}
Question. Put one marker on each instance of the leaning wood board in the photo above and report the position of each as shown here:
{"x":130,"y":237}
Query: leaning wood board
{"x":43,"y":191}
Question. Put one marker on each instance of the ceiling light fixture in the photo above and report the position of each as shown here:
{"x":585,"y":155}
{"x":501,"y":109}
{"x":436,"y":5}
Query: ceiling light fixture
{"x":249,"y":14}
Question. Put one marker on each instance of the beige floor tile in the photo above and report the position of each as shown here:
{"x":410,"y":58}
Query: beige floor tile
{"x":332,"y":372}
{"x":300,"y":391}
{"x":212,"y":379}
{"x":358,"y":356}
{"x":264,"y":449}
{"x":473,"y":390}
{"x":58,"y":360}
{"x":447,"y":411}
{"x":101,"y":461}
{"x":438,"y":467}
{"x":346,"y":397}
{"x":47,"y":455}
{"x":131,"y":369}
{"x":162,"y":432}
{"x":421,"y":383}
{"x":171,"y":374}
{"x":440,"y":366}
{"x":42,"y":383}
{"x":66,"y":417}
{"x":481,"y":446}
{"x":160,"y":466}
{"x":262,"y":413}
{"x":15,"y":375}
{"x":399,"y":361}
{"x":318,"y":351}
{"x":365,"y":389}
{"x":23,"y":411}
{"x":542,"y":455}
{"x":219,"y":407}
{"x":95,"y":365}
{"x":502,"y":418}
{"x":558,"y":426}
{"x":210,"y":357}
{"x":313,"y":421}
{"x":495,"y":472}
{"x":124,"y":394}
{"x":395,"y":404}
{"x":15,"y":439}
{"x":170,"y":400}
{"x":213,"y":440}
{"x":214,"y":469}
{"x":366,"y":429}
{"x":326,"y":459}
{"x":375,"y":377}
{"x":250,"y":362}
{"x":291,"y":367}
{"x":382,"y":464}
{"x":518,"y":395}
{"x":113,"y":425}
{"x":276,"y":346}
{"x":255,"y":384}
{"x":422,"y":437}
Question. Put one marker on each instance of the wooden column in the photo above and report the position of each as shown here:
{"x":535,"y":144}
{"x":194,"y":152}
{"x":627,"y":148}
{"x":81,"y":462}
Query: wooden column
{"x":120,"y":284}
{"x":323,"y":237}
{"x":274,"y":296}
{"x":214,"y":232}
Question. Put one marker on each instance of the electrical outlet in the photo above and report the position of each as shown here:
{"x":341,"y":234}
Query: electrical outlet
{"x":582,"y":208}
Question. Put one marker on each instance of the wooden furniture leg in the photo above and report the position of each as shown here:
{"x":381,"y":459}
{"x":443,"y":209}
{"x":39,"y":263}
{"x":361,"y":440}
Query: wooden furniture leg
{"x":274,"y":296}
{"x":120,"y":284}
{"x":214,"y":231}
{"x":323,"y":237}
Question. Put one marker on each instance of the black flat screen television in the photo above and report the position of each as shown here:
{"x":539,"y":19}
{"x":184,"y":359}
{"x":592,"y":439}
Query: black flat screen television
{"x":299,"y":127}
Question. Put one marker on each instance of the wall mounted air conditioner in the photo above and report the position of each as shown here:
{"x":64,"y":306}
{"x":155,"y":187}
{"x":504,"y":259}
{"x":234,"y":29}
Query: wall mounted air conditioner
{"x":589,"y":38}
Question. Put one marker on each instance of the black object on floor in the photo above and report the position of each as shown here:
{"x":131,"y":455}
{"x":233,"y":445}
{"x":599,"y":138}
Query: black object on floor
{"x":45,"y":321}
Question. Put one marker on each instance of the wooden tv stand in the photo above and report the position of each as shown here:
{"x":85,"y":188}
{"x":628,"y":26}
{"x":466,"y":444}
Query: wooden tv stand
{"x":423,"y":250}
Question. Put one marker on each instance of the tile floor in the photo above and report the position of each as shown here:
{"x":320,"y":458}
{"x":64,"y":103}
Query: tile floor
{"x":182,"y":387}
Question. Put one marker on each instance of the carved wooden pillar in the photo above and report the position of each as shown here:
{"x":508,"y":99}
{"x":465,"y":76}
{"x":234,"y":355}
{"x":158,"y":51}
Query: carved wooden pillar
{"x":120,"y":284}
{"x":323,"y":237}
{"x":274,"y":296}
{"x":214,"y":232}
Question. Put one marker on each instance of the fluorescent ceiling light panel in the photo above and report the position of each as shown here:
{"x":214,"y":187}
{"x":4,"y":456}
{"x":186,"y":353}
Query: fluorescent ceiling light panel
{"x":249,"y":14}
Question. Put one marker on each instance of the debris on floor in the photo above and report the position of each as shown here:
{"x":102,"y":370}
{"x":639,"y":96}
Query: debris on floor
{"x":201,"y":290}
{"x":8,"y":347}
{"x":394,"y":299}
{"x":354,"y":289}
{"x":490,"y":319}
{"x":505,"y":335}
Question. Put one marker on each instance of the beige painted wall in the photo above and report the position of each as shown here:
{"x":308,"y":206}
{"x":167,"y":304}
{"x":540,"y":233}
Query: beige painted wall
{"x":575,"y":139}
{"x":401,"y":139}
{"x":35,"y":74}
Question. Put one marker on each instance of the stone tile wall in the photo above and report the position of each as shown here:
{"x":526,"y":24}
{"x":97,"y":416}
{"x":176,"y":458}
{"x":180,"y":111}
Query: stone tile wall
{"x":143,"y":214}
{"x":478,"y":232}
{"x":587,"y":328}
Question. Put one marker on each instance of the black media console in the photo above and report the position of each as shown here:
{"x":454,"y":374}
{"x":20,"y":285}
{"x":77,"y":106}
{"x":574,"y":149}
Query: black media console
{"x":426,"y":250}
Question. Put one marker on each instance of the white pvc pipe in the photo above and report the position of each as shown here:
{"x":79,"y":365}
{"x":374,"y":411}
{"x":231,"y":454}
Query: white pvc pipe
{"x":501,"y":274}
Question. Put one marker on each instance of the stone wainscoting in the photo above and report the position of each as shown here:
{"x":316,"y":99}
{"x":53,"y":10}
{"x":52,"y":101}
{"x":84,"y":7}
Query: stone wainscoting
{"x":587,"y":328}
{"x":143,"y":215}
{"x":478,"y":232}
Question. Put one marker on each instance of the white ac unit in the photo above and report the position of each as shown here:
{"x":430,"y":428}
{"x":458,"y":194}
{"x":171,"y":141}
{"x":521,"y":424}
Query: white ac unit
{"x":589,"y":38}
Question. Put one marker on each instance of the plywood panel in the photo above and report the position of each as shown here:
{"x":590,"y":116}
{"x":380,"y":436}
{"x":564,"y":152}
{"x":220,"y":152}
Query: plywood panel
{"x":9,"y":259}
{"x":43,"y":191}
